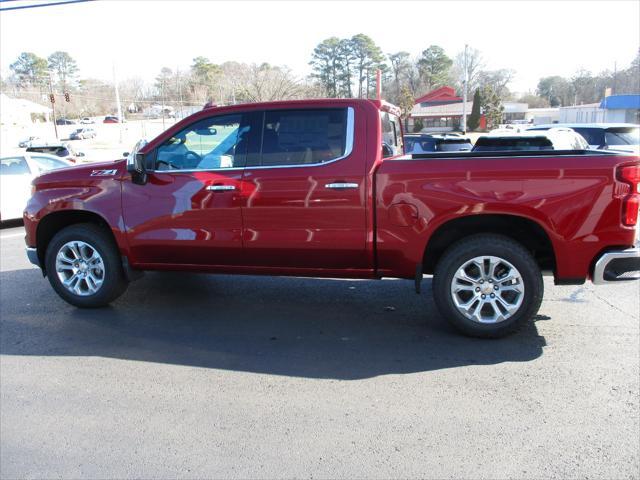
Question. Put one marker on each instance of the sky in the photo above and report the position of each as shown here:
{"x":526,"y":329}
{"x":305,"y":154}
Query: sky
{"x":535,"y":39}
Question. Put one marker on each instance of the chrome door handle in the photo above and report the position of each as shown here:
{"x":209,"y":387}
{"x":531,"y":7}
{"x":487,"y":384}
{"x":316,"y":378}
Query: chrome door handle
{"x":341,"y":185}
{"x":221,"y":188}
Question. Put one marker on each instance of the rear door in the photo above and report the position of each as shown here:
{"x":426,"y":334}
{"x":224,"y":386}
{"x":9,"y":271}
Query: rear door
{"x":15,"y":186}
{"x":189,"y":211}
{"x":304,"y":192}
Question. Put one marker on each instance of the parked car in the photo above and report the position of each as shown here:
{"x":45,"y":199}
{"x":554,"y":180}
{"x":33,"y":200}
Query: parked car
{"x":82,"y":133}
{"x":552,"y":139}
{"x":65,"y":121}
{"x":445,"y":142}
{"x":87,"y":121}
{"x":111,"y":119}
{"x":28,"y":141}
{"x":317,"y":188}
{"x":60,"y":150}
{"x":16,"y":173}
{"x":623,"y":137}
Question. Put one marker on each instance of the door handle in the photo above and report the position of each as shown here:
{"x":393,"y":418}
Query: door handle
{"x":341,"y":185}
{"x":221,"y":188}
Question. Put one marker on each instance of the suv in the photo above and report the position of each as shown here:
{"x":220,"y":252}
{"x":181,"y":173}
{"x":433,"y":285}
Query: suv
{"x":623,"y":137}
{"x":445,"y":142}
{"x":82,"y":133}
{"x":552,"y":139}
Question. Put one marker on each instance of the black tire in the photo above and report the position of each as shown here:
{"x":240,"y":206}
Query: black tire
{"x":487,"y":245}
{"x":114,"y":282}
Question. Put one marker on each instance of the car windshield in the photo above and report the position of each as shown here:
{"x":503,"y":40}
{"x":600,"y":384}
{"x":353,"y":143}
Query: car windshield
{"x":622,"y":136}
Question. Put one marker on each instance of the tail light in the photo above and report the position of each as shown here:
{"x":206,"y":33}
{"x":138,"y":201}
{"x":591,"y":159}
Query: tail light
{"x":630,"y":175}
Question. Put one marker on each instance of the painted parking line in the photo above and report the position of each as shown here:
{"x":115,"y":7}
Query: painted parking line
{"x":12,"y":235}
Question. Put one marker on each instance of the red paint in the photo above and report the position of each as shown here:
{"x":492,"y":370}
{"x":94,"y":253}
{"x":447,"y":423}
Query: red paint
{"x":440,"y":95}
{"x":284,"y":221}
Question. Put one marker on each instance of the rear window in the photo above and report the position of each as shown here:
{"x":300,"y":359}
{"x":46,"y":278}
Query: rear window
{"x":59,"y":151}
{"x":593,"y":136}
{"x":622,"y":136}
{"x":300,"y":137}
{"x":14,"y":166}
{"x":453,"y":145}
{"x":488,"y":144}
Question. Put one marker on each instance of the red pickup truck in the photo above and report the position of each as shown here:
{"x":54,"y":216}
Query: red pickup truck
{"x":322,"y":188}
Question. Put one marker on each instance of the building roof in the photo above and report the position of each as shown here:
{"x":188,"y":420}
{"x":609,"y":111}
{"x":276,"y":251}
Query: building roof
{"x":449,"y":109}
{"x":621,"y":102}
{"x":439,"y":96}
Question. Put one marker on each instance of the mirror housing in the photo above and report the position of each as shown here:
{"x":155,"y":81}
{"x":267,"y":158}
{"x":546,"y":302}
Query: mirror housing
{"x":136,"y":167}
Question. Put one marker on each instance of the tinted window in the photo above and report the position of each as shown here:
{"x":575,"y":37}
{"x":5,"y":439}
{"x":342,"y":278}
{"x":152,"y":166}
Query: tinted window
{"x":299,"y":137}
{"x":623,"y":136}
{"x":48,"y":163}
{"x":211,"y":143}
{"x":488,"y":144}
{"x":453,"y":145}
{"x":14,"y":166}
{"x":593,"y":136}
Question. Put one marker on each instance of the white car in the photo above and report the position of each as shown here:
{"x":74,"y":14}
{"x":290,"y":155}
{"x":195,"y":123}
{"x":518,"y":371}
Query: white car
{"x":552,"y":139}
{"x":87,"y":121}
{"x":16,"y":173}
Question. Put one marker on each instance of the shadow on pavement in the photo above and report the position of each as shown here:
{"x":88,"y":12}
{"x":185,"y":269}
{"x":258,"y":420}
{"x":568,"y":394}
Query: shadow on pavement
{"x":312,"y":328}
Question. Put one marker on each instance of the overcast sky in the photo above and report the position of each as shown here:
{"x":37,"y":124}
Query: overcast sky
{"x":535,"y":39}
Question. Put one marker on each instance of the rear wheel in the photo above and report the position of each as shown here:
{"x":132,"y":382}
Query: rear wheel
{"x":487,"y":286}
{"x":84,"y":267}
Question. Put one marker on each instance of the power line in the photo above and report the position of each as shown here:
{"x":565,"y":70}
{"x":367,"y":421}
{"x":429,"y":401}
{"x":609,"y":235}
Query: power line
{"x":50,"y":4}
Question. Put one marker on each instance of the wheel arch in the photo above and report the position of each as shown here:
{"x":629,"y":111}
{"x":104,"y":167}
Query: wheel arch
{"x":525,"y":231}
{"x":55,"y":221}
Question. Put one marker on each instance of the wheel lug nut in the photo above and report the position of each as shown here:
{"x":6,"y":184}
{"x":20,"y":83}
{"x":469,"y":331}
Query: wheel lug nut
{"x":477,"y":289}
{"x":484,"y":296}
{"x":492,"y":295}
{"x":481,"y":281}
{"x":495,"y":287}
{"x":490,"y":281}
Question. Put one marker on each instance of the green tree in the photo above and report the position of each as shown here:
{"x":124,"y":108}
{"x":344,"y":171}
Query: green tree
{"x":473,"y":122}
{"x":406,"y":104}
{"x":29,"y":70}
{"x":367,"y":58}
{"x":346,"y":59}
{"x":493,"y":108}
{"x":534,"y":101}
{"x":325,"y":63}
{"x":64,"y":67}
{"x":557,"y":90}
{"x":434,"y":66}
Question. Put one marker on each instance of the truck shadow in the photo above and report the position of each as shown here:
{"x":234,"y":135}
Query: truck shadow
{"x":336,"y":329}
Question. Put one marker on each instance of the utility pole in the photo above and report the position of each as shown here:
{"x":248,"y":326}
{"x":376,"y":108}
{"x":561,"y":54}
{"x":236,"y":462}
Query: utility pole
{"x":615,"y":74}
{"x":465,"y":81}
{"x":52,"y":99}
{"x":118,"y":106}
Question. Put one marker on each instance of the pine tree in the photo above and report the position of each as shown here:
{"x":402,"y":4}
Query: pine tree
{"x":473,"y":122}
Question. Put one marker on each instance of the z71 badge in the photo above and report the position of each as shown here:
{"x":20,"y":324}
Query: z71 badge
{"x":104,"y":173}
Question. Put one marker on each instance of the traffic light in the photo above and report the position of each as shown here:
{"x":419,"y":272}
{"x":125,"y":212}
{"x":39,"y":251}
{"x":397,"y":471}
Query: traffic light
{"x":67,"y":97}
{"x":52,"y":98}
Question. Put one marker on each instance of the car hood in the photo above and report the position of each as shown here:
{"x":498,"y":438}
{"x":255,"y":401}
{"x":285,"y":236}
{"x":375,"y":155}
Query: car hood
{"x":85,"y":172}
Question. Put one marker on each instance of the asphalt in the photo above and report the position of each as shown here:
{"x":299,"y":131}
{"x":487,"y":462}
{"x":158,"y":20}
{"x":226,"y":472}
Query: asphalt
{"x":214,"y":376}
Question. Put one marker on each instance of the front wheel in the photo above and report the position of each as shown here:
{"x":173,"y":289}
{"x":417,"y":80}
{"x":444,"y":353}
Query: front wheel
{"x":487,"y":286}
{"x":84,"y":267}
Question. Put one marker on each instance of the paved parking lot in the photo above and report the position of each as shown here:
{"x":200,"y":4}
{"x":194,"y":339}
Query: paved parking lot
{"x":196,"y":376}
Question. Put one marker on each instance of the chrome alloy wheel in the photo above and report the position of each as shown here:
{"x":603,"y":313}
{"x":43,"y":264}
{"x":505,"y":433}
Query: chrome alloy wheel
{"x":487,"y":289}
{"x":80,"y":268}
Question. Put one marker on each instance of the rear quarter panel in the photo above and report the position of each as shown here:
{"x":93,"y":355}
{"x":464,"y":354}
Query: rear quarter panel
{"x":574,"y":199}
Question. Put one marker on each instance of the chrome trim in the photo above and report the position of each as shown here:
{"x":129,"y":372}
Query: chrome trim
{"x":605,"y":258}
{"x":220,"y":188}
{"x":341,"y":185}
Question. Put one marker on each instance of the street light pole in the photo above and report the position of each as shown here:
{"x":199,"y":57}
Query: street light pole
{"x":465,"y":81}
{"x":118,"y":106}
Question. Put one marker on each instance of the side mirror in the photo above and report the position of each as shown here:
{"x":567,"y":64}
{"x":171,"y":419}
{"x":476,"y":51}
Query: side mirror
{"x":136,"y":167}
{"x":125,"y":154}
{"x":386,"y":150}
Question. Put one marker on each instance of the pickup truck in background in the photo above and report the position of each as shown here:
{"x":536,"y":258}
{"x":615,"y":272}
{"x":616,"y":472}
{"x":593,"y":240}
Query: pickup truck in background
{"x":322,"y":188}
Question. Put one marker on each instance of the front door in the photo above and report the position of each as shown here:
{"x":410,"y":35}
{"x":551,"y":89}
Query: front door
{"x":304,"y":192}
{"x":188,"y":213}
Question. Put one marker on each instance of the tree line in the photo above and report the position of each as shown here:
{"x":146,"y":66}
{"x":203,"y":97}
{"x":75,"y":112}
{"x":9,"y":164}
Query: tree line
{"x":340,"y":68}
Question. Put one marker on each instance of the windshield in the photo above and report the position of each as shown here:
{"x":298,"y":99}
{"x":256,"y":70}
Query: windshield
{"x":623,"y":136}
{"x":488,"y":144}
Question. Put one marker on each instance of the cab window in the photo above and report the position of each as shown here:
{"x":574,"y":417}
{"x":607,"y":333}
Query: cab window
{"x":209,"y":144}
{"x":391,"y":136}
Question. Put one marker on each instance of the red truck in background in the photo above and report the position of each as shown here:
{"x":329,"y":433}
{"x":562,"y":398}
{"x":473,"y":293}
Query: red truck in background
{"x":322,"y":188}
